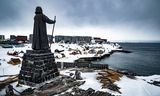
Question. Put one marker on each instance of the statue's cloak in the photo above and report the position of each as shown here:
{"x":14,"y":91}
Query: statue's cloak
{"x":40,"y":38}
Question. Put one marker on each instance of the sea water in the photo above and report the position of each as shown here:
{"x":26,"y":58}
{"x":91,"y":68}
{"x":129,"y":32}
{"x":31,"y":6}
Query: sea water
{"x":144,"y":59}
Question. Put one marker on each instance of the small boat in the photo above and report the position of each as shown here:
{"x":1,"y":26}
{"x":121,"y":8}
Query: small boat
{"x":19,"y":45}
{"x":6,"y":46}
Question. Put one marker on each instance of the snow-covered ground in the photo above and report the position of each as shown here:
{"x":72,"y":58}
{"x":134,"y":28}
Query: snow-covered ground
{"x":82,"y":50}
{"x":68,"y":49}
{"x":138,"y":87}
{"x":129,"y":87}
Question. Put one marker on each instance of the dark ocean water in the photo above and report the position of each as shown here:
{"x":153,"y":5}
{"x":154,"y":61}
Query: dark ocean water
{"x":144,"y":59}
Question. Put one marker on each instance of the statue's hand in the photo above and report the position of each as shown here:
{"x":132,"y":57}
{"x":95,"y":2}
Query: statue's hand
{"x":54,"y":21}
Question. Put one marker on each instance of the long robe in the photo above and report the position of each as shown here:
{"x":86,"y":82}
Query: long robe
{"x":40,"y":38}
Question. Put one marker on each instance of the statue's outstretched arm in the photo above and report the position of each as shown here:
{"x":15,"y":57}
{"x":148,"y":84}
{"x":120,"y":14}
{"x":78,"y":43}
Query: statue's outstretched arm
{"x":49,"y":21}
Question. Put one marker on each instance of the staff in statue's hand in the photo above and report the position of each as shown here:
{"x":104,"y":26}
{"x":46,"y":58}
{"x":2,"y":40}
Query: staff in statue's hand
{"x":53,"y":30}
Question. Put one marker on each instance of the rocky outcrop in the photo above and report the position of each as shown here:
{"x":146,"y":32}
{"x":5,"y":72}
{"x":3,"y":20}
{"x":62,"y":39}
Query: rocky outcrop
{"x":89,"y":92}
{"x":58,"y":86}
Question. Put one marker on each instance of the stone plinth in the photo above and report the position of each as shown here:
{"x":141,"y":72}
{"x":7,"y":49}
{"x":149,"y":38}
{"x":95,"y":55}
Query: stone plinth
{"x":37,"y":66}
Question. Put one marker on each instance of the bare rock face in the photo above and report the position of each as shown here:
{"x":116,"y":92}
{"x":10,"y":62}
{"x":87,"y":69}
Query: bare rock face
{"x":37,"y":66}
{"x":89,"y":92}
{"x":78,"y":75}
{"x":58,"y":86}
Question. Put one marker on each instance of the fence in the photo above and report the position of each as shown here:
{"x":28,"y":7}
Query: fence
{"x":81,"y":65}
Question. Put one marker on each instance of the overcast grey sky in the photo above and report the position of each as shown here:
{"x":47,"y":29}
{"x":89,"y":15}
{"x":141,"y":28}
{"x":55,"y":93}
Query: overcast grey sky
{"x":111,"y":19}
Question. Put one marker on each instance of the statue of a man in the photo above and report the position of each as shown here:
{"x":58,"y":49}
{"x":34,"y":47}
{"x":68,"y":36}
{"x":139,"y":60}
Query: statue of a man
{"x":40,"y":38}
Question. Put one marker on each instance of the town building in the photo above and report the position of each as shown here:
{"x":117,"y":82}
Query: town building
{"x":2,"y":37}
{"x":99,"y":40}
{"x":22,"y":39}
{"x":13,"y":38}
{"x":50,"y":38}
{"x":73,"y":39}
{"x":18,"y":39}
{"x":30,"y":38}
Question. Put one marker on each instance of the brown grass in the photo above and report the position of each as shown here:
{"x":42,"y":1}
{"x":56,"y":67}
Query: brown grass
{"x":108,"y":76}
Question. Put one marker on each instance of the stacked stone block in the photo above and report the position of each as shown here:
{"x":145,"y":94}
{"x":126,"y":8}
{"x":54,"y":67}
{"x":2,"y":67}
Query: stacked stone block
{"x":37,"y":66}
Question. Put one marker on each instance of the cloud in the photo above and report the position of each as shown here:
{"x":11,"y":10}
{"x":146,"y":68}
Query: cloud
{"x":132,"y":16}
{"x":108,"y":12}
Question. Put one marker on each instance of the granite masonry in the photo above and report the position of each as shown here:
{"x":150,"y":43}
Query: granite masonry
{"x":37,"y":66}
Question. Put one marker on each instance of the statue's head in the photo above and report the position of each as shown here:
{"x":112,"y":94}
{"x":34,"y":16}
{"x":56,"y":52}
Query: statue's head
{"x":38,"y":10}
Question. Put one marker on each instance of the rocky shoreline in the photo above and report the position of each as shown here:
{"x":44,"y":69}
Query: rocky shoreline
{"x":94,"y":58}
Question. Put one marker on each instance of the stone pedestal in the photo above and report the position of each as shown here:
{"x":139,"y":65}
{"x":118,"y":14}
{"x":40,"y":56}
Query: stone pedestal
{"x":37,"y":66}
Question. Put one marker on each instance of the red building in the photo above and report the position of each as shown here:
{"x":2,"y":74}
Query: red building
{"x":22,"y":39}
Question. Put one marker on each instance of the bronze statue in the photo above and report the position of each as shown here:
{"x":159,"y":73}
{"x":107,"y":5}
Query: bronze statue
{"x":40,"y":38}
